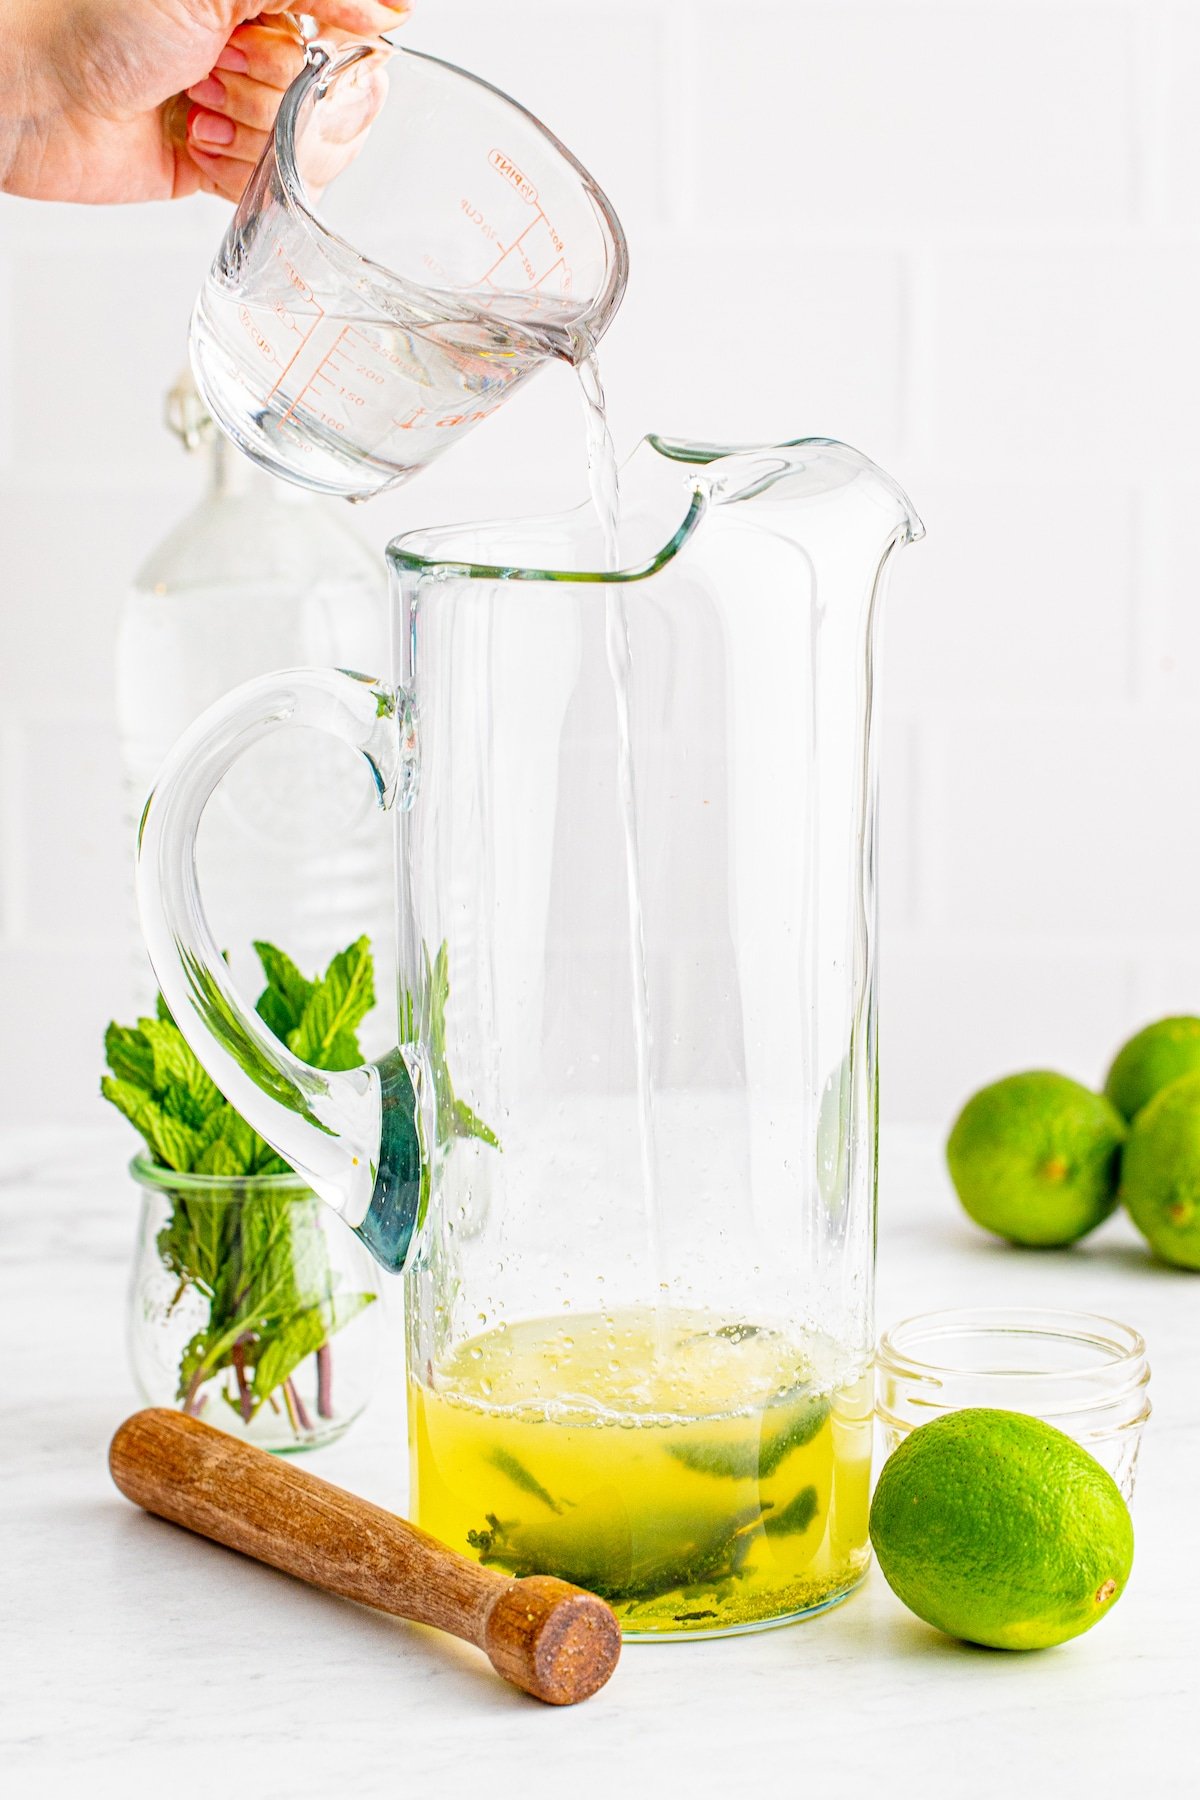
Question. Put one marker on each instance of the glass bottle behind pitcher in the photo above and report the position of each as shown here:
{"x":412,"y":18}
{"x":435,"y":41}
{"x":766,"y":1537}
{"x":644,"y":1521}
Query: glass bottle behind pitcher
{"x":258,"y":574}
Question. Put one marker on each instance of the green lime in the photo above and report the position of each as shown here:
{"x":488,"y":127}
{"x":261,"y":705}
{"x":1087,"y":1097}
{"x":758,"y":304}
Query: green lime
{"x":997,"y":1528}
{"x":1160,"y":1173}
{"x":1035,"y":1158}
{"x":1151,"y":1060}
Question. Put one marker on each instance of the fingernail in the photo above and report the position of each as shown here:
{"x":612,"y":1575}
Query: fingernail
{"x":208,"y":128}
{"x":233,"y":59}
{"x":209,"y":92}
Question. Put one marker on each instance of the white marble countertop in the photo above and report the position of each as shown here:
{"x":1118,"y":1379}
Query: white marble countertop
{"x":138,"y":1660}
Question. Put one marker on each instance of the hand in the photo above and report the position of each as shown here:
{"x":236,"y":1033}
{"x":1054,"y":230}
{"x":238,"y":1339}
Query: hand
{"x":85,"y":109}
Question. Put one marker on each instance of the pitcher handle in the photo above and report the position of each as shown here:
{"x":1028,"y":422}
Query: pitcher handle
{"x":354,"y":1136}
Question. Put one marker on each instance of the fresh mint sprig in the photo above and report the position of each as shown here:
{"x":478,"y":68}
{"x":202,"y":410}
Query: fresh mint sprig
{"x":260,"y":1263}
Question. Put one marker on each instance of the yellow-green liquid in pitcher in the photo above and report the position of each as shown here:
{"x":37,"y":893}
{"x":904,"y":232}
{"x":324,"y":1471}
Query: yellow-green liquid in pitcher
{"x":701,"y":1474}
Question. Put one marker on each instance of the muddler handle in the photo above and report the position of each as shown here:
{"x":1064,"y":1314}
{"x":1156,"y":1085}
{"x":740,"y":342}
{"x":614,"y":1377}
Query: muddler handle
{"x":554,"y":1640}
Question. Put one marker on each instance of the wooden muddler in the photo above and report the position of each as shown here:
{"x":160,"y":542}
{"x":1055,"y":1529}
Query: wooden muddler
{"x":554,"y":1640}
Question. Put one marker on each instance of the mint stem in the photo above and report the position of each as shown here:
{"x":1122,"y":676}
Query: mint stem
{"x":238,"y":1358}
{"x":325,"y":1381}
{"x":301,"y":1410}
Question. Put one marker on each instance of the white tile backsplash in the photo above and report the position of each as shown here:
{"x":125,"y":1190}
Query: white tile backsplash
{"x":68,"y":557}
{"x":1060,"y":356}
{"x":963,"y":235}
{"x":1071,"y":823}
{"x":957,"y":1014}
{"x":895,"y":117}
{"x":78,"y":881}
{"x":1021,"y":598}
{"x":762,"y":341}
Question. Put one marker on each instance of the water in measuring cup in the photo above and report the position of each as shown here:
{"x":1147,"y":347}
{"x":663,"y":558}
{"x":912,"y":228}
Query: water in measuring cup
{"x":605,"y":490}
{"x":355,"y":401}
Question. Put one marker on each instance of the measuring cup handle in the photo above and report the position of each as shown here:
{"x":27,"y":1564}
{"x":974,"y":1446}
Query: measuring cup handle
{"x":355,"y":1137}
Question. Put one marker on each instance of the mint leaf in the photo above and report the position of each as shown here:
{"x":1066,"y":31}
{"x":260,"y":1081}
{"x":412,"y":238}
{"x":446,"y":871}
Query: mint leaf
{"x":212,"y":1228}
{"x":179,"y":1103}
{"x":176,"y":1064}
{"x":198,"y":1240}
{"x":455,"y":1118}
{"x":593,"y":1546}
{"x":273,"y":1278}
{"x":468,"y":1124}
{"x":799,"y":1427}
{"x":343,"y":1052}
{"x":275,"y":1013}
{"x":782,"y":1430}
{"x":336,"y":1007}
{"x":793,"y":1518}
{"x":521,"y":1477}
{"x":218,"y":1159}
{"x":287,"y":992}
{"x":169,"y":1141}
{"x":129,"y":1056}
{"x":242,"y":1142}
{"x":300,"y":1336}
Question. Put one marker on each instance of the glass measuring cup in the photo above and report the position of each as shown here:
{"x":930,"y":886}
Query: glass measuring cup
{"x":342,"y":342}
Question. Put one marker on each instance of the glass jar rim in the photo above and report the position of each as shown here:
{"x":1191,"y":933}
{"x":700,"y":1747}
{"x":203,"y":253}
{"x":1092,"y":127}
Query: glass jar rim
{"x":231,"y":1188}
{"x":901,"y":1345}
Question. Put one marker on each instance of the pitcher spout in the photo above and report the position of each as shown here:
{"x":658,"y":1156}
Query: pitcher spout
{"x":810,"y":466}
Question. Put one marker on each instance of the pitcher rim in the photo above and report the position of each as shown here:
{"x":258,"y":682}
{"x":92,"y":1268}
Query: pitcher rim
{"x":705,"y":492}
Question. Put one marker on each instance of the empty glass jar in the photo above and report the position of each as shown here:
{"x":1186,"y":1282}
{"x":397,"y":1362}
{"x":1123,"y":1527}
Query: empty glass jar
{"x":1082,"y":1373}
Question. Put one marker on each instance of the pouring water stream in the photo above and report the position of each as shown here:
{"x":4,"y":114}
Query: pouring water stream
{"x":605,"y":492}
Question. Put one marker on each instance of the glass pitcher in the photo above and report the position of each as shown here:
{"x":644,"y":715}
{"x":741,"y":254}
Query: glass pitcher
{"x":638,"y":1244}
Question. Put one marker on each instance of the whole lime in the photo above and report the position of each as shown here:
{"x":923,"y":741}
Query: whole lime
{"x":1151,"y":1060}
{"x":996,"y":1528}
{"x":1035,"y":1158}
{"x":1160,"y":1173}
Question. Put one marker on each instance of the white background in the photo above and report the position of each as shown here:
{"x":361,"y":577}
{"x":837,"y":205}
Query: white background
{"x":963,"y":236}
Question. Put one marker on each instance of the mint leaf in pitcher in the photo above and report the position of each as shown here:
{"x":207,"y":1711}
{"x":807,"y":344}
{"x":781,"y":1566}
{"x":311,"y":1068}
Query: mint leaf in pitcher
{"x":455,"y":1118}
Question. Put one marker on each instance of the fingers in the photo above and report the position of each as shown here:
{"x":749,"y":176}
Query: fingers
{"x":212,"y":131}
{"x":238,"y":99}
{"x":366,"y":18}
{"x":220,"y":174}
{"x":263,"y":52}
{"x":233,"y":109}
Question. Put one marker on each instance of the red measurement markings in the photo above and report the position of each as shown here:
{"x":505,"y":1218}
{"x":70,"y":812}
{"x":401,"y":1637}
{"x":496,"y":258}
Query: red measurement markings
{"x":296,"y":281}
{"x":324,"y":372}
{"x":336,"y":372}
{"x":489,"y":272}
{"x":509,"y":172}
{"x":257,"y":336}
